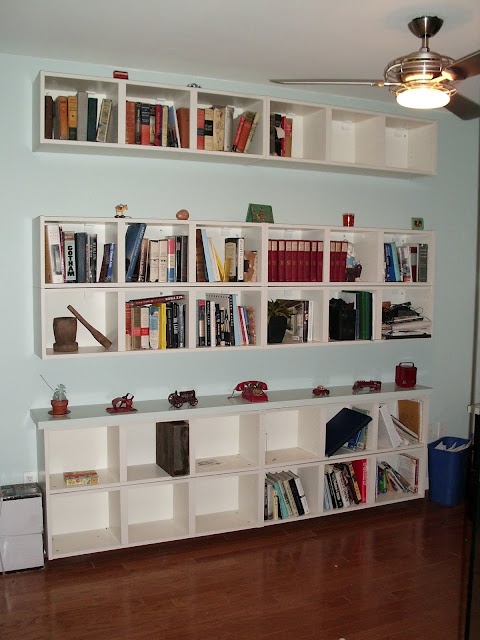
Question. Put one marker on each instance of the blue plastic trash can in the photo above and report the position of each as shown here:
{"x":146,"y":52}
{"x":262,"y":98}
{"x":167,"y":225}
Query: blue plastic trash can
{"x":447,"y":471}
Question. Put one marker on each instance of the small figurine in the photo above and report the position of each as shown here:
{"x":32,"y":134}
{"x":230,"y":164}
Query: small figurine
{"x":353,"y":269}
{"x":182,"y":214}
{"x":122,"y":404}
{"x":320,"y":390}
{"x":371,"y":386}
{"x":178,"y":398}
{"x":120,"y":211}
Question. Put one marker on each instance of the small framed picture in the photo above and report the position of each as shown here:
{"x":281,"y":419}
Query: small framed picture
{"x":417,"y":224}
{"x":259,"y":213}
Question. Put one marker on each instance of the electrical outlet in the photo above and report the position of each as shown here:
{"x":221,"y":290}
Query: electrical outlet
{"x":30,"y":476}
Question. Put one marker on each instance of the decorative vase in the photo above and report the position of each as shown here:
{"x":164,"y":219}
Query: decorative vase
{"x":277,"y":325}
{"x":65,"y":332}
{"x":59,"y":407}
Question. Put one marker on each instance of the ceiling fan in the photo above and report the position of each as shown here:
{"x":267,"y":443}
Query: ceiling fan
{"x":422,"y":79}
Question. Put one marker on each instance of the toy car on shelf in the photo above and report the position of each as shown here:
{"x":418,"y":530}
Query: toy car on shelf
{"x":178,"y":398}
{"x":320,"y":390}
{"x":368,"y":385}
{"x":122,"y":404}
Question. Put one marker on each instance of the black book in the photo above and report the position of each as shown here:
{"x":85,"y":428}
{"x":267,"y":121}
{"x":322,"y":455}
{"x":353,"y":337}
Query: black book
{"x":81,"y":243}
{"x":92,"y":107}
{"x":342,"y":427}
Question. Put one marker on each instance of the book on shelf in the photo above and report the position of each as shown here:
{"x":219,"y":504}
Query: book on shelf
{"x":388,"y":435}
{"x":145,"y":123}
{"x":104,"y":119}
{"x":235,"y":253}
{"x":81,"y":251}
{"x":200,"y":129}
{"x":69,"y":256}
{"x":106,"y":269}
{"x":153,"y":327}
{"x":422,"y":264}
{"x":360,"y":470}
{"x":92,"y":109}
{"x":72,"y":478}
{"x":408,"y":469}
{"x":341,"y":427}
{"x":133,"y":241}
{"x":200,"y":267}
{"x":228,"y":137}
{"x":208,"y":129}
{"x":48,"y":123}
{"x":60,"y":118}
{"x":174,"y":297}
{"x":335,"y":490}
{"x":272,"y":260}
{"x":281,"y":494}
{"x":153,"y":260}
{"x":183,"y":118}
{"x":53,"y":254}
{"x":362,"y":302}
{"x":72,"y":117}
{"x":287,"y":146}
{"x":171,"y":259}
{"x":172,"y":128}
{"x":82,"y":115}
{"x":130,"y":116}
{"x":251,"y":133}
{"x":218,"y":128}
{"x":244,"y":125}
{"x":140,"y":271}
{"x":172,"y":447}
{"x":410,"y":414}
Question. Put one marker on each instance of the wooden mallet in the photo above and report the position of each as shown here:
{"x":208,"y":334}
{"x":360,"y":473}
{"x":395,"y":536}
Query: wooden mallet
{"x":99,"y":337}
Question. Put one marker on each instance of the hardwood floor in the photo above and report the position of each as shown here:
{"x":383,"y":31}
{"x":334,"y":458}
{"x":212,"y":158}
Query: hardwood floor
{"x":393,"y":573}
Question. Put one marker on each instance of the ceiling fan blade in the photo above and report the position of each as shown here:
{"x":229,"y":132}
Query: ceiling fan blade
{"x":463,"y":107}
{"x":370,"y":83}
{"x":466,"y":67}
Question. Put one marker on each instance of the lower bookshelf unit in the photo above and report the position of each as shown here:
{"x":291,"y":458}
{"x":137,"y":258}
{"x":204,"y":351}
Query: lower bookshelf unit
{"x":230,"y":446}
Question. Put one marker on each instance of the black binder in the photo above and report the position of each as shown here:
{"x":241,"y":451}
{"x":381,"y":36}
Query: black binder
{"x":342,"y":427}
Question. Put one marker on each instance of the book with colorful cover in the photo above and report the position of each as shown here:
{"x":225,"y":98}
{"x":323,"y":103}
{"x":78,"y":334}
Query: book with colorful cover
{"x":80,"y":477}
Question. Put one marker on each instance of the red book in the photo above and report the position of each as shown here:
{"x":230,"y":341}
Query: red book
{"x":201,"y":129}
{"x":307,"y":261}
{"x":158,"y":125}
{"x":183,"y":118}
{"x":282,"y":140}
{"x":295,"y":277}
{"x":130,"y":122}
{"x":240,"y":124}
{"x":360,"y":468}
{"x":313,"y":261}
{"x":301,"y":261}
{"x":320,"y":261}
{"x":243,"y":136}
{"x":273,"y":261}
{"x":288,"y":261}
{"x":281,"y":261}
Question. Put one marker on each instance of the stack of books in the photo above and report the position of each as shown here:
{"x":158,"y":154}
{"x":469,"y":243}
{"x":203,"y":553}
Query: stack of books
{"x":284,"y":496}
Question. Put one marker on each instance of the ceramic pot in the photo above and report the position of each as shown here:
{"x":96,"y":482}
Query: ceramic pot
{"x":65,"y":332}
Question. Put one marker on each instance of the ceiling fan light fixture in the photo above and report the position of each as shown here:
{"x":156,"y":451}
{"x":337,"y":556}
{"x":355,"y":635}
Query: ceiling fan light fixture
{"x":423,"y":97}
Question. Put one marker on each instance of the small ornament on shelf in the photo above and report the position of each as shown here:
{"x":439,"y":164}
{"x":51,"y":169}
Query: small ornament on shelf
{"x":259,"y":213}
{"x":182,"y":214}
{"x":59,"y":402}
{"x":178,"y":398}
{"x":320,"y":390}
{"x":120,"y":211}
{"x":122,"y":404}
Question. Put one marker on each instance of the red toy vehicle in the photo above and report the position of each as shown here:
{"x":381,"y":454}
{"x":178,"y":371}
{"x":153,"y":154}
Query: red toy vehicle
{"x":178,"y":398}
{"x":123,"y":404}
{"x":369,"y":385}
{"x":321,"y":391}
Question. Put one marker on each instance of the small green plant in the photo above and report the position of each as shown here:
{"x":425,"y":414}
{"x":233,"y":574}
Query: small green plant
{"x":278,"y":308}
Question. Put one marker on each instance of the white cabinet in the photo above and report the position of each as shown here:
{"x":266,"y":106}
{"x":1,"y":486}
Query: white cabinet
{"x":103,"y":305}
{"x":232,"y":445}
{"x":323,"y":137}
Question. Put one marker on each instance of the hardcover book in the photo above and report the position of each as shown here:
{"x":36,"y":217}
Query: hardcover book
{"x":72,"y":117}
{"x":92,"y":108}
{"x":133,"y":242}
{"x":342,"y":427}
{"x":53,"y":254}
{"x":48,"y":130}
{"x":69,"y":256}
{"x":183,"y":117}
{"x":82,"y":115}
{"x":60,"y":118}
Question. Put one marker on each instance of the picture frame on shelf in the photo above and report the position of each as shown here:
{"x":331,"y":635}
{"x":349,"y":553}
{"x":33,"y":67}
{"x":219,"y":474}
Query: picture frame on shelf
{"x":259,"y":213}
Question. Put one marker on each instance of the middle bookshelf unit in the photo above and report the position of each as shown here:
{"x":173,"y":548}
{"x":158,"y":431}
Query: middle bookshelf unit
{"x":151,"y":285}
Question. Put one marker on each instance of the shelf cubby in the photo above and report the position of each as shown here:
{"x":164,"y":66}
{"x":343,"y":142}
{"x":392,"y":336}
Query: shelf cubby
{"x":291,"y":436}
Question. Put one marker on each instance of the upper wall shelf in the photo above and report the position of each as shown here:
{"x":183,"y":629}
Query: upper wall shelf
{"x":323,"y":137}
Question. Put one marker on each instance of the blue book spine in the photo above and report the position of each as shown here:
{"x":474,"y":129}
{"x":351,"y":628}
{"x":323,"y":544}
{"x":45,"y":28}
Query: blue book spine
{"x":237,"y":332}
{"x":111,"y":258}
{"x":133,"y":241}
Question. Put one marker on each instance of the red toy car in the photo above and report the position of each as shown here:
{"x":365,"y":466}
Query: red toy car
{"x":369,"y":385}
{"x":321,"y":391}
{"x":178,"y":398}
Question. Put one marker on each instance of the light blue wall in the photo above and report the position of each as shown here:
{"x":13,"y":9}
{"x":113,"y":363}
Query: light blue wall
{"x":34,"y":184}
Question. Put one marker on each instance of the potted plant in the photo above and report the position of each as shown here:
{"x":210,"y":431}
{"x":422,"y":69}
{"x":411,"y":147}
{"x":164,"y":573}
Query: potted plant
{"x":278,"y":315}
{"x":59,"y":401}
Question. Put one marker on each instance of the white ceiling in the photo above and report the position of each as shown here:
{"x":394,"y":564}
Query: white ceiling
{"x":251,"y":40}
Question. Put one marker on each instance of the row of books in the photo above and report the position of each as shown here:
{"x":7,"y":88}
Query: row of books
{"x":157,"y":124}
{"x":72,"y":257}
{"x":75,"y":118}
{"x":405,"y":262}
{"x":284,"y":496}
{"x":164,"y":260}
{"x":222,"y":322}
{"x":299,"y":321}
{"x":239,"y":265}
{"x":281,"y":132}
{"x":295,"y":260}
{"x":392,"y":432}
{"x":155,"y":323}
{"x":345,"y":484}
{"x":219,"y":130}
{"x":403,"y":478}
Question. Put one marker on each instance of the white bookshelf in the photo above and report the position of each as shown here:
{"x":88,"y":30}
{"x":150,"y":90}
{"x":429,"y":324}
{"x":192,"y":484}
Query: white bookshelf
{"x":324,"y":137}
{"x":232,"y":444}
{"x":103,"y":304}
